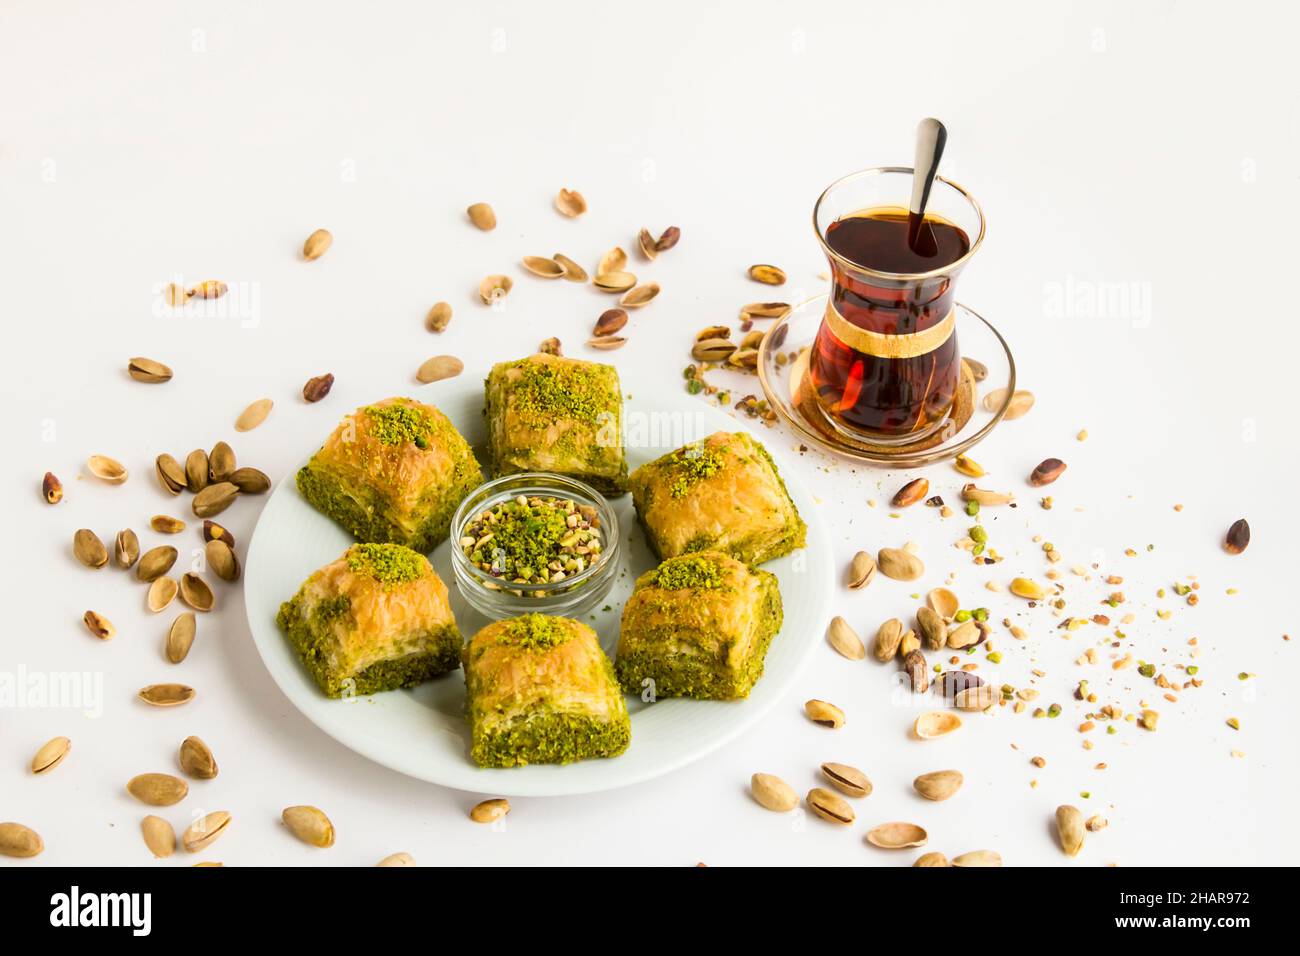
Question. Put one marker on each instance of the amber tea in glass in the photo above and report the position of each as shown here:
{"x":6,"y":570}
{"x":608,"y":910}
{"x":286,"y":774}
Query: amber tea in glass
{"x":885,"y":366}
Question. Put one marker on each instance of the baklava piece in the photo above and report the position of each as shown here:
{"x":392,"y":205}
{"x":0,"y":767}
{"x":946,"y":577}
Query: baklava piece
{"x":540,"y":690}
{"x":698,"y":626}
{"x":562,"y":415}
{"x":719,"y":494}
{"x":375,"y":619}
{"x":392,"y":472}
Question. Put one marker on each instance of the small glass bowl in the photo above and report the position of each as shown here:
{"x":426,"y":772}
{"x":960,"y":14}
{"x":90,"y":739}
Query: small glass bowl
{"x":499,"y":599}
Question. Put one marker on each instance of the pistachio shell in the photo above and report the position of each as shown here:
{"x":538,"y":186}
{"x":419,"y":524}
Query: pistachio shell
{"x":932,"y":859}
{"x":180,"y":637}
{"x":158,"y":789}
{"x":196,"y":593}
{"x":978,"y":858}
{"x":493,"y":288}
{"x":943,"y":602}
{"x":570,"y":203}
{"x":161,"y":593}
{"x":897,"y":836}
{"x":253,"y":415}
{"x":935,"y":723}
{"x":572,"y":271}
{"x":614,"y":281}
{"x":641,"y":295}
{"x":166,"y":695}
{"x":544,"y":267}
{"x":107,"y":469}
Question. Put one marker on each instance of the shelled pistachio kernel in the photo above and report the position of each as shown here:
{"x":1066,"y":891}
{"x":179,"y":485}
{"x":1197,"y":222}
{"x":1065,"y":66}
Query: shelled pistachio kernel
{"x":563,"y":539}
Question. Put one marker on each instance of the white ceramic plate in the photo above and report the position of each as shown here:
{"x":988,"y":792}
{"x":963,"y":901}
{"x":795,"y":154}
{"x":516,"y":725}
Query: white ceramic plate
{"x":423,"y":733}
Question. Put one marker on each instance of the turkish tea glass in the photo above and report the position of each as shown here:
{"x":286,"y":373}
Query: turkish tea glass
{"x":885,"y":366}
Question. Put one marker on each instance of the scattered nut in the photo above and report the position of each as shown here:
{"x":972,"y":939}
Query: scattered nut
{"x":1046,"y":472}
{"x":773,"y":793}
{"x":826,"y":714}
{"x":317,"y":244}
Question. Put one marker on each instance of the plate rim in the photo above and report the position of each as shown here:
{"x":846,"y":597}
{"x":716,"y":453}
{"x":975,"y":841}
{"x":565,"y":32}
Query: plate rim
{"x":499,"y":780}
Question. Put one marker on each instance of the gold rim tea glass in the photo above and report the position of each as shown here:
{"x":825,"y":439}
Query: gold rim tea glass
{"x":885,"y":366}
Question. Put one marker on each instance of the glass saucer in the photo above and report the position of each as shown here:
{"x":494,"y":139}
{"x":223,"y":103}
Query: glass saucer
{"x":987,"y":366}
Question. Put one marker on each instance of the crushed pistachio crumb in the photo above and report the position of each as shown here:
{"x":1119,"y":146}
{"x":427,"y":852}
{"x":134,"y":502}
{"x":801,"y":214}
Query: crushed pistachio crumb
{"x":535,"y":632}
{"x":689,"y":571}
{"x":389,"y":564}
{"x":399,"y":423}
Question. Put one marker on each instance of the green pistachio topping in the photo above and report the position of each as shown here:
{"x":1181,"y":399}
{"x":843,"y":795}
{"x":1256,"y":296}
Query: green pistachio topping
{"x":558,"y":389}
{"x":389,"y":564}
{"x":689,"y":571}
{"x":535,"y":631}
{"x":399,"y":423}
{"x":692,"y":464}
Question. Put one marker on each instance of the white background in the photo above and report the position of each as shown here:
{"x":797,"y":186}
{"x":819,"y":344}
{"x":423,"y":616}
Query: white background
{"x":1145,"y":146}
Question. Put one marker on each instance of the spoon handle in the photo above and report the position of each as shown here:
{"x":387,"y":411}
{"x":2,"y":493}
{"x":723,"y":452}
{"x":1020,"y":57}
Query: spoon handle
{"x":930,"y":140}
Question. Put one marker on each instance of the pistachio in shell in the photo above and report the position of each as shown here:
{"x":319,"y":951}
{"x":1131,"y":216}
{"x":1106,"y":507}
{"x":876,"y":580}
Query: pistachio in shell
{"x":317,"y":244}
{"x":483,"y":216}
{"x":310,"y":825}
{"x":222,"y":560}
{"x":148,"y":371}
{"x":158,"y":789}
{"x":155,"y":562}
{"x":159,"y":836}
{"x":171,"y":476}
{"x":437,"y":320}
{"x":214,"y":499}
{"x":196,"y":759}
{"x":51,"y":754}
{"x":221,"y":462}
{"x":250,"y":481}
{"x":204,"y":831}
{"x":196,"y":470}
{"x":88,"y":549}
